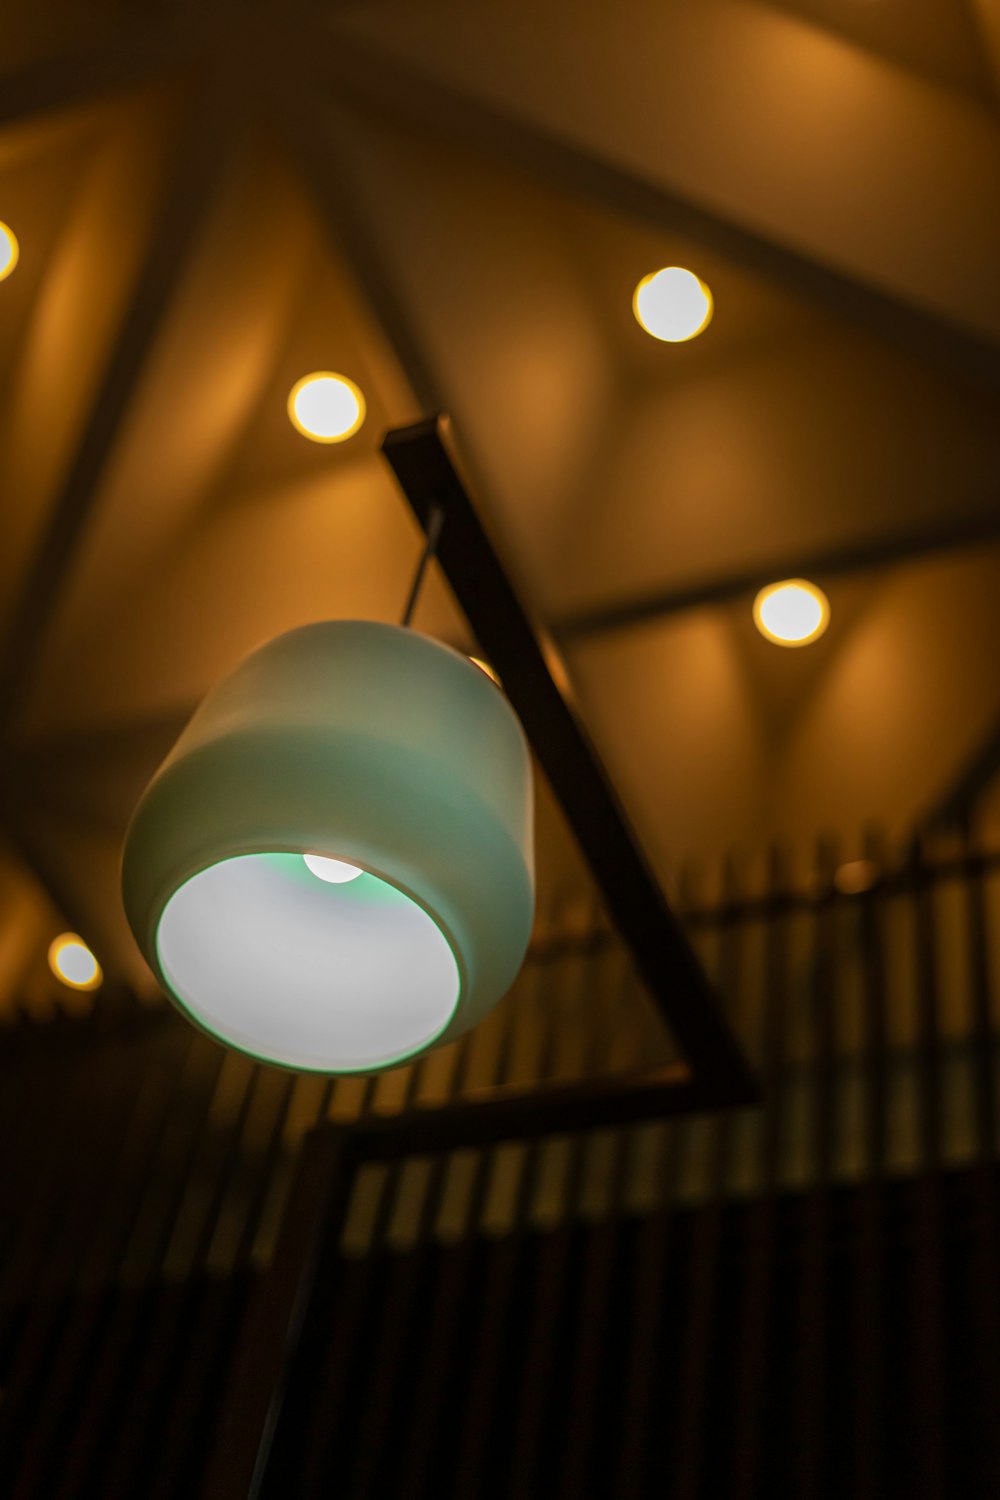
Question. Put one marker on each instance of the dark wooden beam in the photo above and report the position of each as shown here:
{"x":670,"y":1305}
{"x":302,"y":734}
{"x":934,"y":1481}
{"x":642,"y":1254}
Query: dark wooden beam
{"x":956,"y":806}
{"x":129,"y":54}
{"x":314,"y":144}
{"x":951,"y":535}
{"x":205,"y":146}
{"x":358,"y":70}
{"x":538,"y":688}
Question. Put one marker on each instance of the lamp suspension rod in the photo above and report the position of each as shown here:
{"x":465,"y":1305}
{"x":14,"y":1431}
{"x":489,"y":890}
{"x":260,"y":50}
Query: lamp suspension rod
{"x":435,"y":520}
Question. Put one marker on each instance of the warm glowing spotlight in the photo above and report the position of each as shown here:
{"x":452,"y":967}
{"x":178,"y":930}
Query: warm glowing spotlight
{"x":72,"y":961}
{"x":325,"y":407}
{"x":9,"y":250}
{"x":484,"y":666}
{"x":333,"y":871}
{"x":672,"y":304}
{"x":792,"y":613}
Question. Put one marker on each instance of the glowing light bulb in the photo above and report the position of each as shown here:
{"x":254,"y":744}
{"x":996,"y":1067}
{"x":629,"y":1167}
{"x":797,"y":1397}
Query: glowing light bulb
{"x":333,"y":871}
{"x":672,"y":305}
{"x":325,"y":407}
{"x":791,"y":613}
{"x":9,"y":250}
{"x":72,"y":961}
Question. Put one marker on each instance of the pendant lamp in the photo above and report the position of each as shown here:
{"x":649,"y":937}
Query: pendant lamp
{"x":333,"y":869}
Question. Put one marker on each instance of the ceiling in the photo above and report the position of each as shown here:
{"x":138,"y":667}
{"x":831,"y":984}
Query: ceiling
{"x":452,"y":205}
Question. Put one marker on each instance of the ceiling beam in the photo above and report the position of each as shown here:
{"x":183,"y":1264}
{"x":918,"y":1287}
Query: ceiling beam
{"x":354,"y":70}
{"x":203,"y":150}
{"x":986,"y":19}
{"x":309,"y":131}
{"x":957,"y":805}
{"x":123,"y":56}
{"x":952,"y":535}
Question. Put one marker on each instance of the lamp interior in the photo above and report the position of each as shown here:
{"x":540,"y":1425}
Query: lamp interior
{"x":295,"y":970}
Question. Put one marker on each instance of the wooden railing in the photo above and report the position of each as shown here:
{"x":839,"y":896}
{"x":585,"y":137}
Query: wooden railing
{"x":800,"y":1298}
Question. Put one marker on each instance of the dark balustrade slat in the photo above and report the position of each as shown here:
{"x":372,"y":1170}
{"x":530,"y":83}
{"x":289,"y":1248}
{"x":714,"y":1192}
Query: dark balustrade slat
{"x":66,"y":1232}
{"x":868,"y":1425}
{"x":811,"y":1401}
{"x":927,"y":1288}
{"x":398,"y":1318}
{"x":426,"y":1417}
{"x":602,"y":1249}
{"x":190,"y":1396}
{"x":986,"y":1245}
{"x":639,"y":1456}
{"x":53,"y":1157}
{"x":144,"y":1320}
{"x":92,"y":1285}
{"x":551,"y":1268}
{"x":652,"y":1254}
{"x":346,"y":1307}
{"x":492,"y":1320}
{"x":695,"y":1358}
{"x":754,"y":1332}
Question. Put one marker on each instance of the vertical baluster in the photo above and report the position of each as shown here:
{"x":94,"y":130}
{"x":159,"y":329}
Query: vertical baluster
{"x":451,"y":1281}
{"x":696,"y":1351}
{"x":48,"y":1157}
{"x":870,"y":1405}
{"x":161,"y":1076}
{"x":753,"y":1340}
{"x":146,"y":1321}
{"x":986,"y":1260}
{"x":602,"y":1247}
{"x":91,"y":1140}
{"x":811,"y":1383}
{"x":343,"y":1312}
{"x":927,"y":1289}
{"x":473,"y":1420}
{"x":647,"y":1303}
{"x":549,"y":1287}
{"x":192,"y":1395}
{"x":398,"y":1316}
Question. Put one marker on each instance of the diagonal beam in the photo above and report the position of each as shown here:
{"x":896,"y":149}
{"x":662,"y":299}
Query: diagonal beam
{"x":422,"y":460}
{"x":986,"y":19}
{"x":312,"y":142}
{"x":951,"y":535}
{"x":355,"y":70}
{"x":200,"y":159}
{"x":957,"y":804}
{"x":119,"y":58}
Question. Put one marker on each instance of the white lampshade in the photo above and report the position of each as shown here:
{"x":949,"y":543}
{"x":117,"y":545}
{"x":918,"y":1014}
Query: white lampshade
{"x":333,"y":868}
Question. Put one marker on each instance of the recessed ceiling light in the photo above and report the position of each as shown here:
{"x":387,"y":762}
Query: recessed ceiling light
{"x":325,"y":407}
{"x":9,"y":250}
{"x":791,"y":613}
{"x":72,"y":961}
{"x":672,"y":304}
